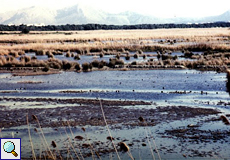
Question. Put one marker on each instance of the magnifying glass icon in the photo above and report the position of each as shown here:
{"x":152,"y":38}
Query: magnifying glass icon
{"x":9,"y":147}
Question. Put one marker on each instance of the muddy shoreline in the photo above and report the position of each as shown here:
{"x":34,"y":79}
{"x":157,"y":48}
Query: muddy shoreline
{"x":119,"y":115}
{"x":88,"y":112}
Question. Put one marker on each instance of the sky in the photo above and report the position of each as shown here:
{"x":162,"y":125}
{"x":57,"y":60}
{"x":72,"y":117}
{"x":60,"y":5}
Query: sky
{"x":158,"y":8}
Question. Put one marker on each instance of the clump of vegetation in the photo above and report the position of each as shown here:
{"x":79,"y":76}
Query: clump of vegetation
{"x":113,"y":62}
{"x":165,"y":57}
{"x":135,"y":56}
{"x":68,"y":54}
{"x":86,"y":66}
{"x":66,"y":65}
{"x":188,"y":54}
{"x":102,"y":64}
{"x":54,"y":63}
{"x":46,"y":69}
{"x":25,"y":30}
{"x":14,"y":54}
{"x":77,"y":66}
{"x":118,"y":56}
{"x":101,"y":55}
{"x":49,"y":54}
{"x":228,"y":81}
{"x":127,"y":57}
{"x":77,"y":57}
{"x":39,"y":52}
{"x":134,"y":63}
{"x":95,"y":63}
{"x":225,"y":119}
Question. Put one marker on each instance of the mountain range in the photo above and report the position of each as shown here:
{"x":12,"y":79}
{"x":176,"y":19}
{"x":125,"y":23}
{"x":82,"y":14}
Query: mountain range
{"x":83,"y":14}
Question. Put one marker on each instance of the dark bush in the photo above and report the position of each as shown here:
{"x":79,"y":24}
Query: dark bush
{"x":66,"y":65}
{"x":39,"y":52}
{"x":77,"y":66}
{"x":95,"y":63}
{"x":175,"y":57}
{"x":46,"y":69}
{"x":134,"y":63}
{"x":118,"y":56}
{"x":25,"y":59}
{"x":102,"y":64}
{"x":85,"y":67}
{"x":68,"y":54}
{"x":113,"y":62}
{"x":77,"y":57}
{"x":165,"y":57}
{"x":101,"y":55}
{"x":188,"y":54}
{"x":25,"y":31}
{"x":127,"y":57}
{"x":135,"y":56}
{"x":158,"y":56}
{"x":33,"y":58}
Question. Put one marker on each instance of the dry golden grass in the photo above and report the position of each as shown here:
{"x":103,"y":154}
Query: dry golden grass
{"x":102,"y":35}
{"x":132,"y":40}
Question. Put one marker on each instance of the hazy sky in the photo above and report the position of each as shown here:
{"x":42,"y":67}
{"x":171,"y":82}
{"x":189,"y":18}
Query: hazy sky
{"x":160,"y":8}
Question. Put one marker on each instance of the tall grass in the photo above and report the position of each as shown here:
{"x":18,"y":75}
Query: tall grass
{"x":106,"y":124}
{"x":121,"y":41}
{"x":43,"y":136}
{"x":32,"y":147}
{"x":147,"y":131}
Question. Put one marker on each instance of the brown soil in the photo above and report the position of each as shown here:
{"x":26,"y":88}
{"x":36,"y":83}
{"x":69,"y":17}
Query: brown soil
{"x":88,"y":112}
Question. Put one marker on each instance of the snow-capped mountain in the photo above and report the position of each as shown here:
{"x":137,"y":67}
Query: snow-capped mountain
{"x":225,"y":17}
{"x":31,"y":15}
{"x":83,"y":14}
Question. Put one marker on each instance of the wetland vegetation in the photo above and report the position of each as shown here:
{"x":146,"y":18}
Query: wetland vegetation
{"x":123,"y":94}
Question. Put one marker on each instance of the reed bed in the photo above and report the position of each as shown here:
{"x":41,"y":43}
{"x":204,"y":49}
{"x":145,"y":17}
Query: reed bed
{"x":111,"y":35}
{"x":131,"y":40}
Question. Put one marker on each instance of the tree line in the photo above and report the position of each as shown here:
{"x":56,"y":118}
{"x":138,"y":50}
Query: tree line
{"x":68,"y":27}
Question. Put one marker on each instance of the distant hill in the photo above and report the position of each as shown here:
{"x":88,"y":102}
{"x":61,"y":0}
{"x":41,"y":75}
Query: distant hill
{"x":83,"y":14}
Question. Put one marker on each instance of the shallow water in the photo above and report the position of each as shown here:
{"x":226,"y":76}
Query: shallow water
{"x":161,"y":87}
{"x":158,"y":86}
{"x":88,"y":59}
